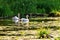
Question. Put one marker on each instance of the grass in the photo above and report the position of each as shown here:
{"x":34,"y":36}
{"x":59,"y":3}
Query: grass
{"x":5,"y":22}
{"x":43,"y":33}
{"x":58,"y":38}
{"x":39,"y":19}
{"x":35,"y":24}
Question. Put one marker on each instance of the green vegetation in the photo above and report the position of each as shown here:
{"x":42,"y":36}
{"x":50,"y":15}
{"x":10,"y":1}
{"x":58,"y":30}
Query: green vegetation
{"x":13,"y":7}
{"x":58,"y":38}
{"x":43,"y":33}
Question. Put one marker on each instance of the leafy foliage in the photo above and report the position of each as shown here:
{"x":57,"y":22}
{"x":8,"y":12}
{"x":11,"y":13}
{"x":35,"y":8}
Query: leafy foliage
{"x":12,"y":7}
